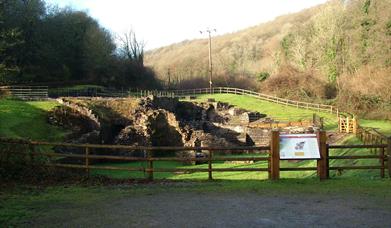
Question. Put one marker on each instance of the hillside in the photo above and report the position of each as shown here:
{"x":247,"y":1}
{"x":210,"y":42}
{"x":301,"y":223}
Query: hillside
{"x":247,"y":51}
{"x":324,"y":52}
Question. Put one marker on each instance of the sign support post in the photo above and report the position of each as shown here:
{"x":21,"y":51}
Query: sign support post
{"x":322,"y":164}
{"x":274,"y":169}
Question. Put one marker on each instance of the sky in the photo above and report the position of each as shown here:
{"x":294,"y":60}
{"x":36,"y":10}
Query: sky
{"x":163,"y":22}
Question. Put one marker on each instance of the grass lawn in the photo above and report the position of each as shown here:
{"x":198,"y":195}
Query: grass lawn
{"x":20,"y":119}
{"x":235,"y":175}
{"x":383,"y":126}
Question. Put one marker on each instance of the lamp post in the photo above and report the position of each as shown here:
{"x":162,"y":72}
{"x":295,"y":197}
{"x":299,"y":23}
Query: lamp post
{"x":209,"y":31}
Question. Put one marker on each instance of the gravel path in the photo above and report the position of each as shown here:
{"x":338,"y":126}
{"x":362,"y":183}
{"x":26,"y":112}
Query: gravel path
{"x":246,"y":209}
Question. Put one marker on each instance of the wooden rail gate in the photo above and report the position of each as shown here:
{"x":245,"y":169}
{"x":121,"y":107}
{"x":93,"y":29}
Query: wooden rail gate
{"x":270,"y":154}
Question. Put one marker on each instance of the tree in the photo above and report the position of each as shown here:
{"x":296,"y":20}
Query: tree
{"x":9,"y":40}
{"x":132,"y":48}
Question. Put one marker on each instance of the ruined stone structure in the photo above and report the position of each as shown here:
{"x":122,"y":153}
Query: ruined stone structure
{"x":153,"y":121}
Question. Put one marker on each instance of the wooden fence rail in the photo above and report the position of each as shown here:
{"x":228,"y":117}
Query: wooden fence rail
{"x":26,"y":92}
{"x":264,"y":153}
{"x":283,"y":101}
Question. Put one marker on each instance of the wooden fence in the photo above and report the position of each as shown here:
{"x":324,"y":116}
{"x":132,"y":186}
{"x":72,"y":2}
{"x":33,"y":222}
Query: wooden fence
{"x":371,"y":136}
{"x":265,"y":153}
{"x":193,"y":92}
{"x":26,"y":92}
{"x":287,"y":102}
{"x":347,"y":124}
{"x":367,"y":135}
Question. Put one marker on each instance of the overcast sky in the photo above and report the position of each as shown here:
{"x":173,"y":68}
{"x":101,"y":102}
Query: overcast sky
{"x":163,"y":22}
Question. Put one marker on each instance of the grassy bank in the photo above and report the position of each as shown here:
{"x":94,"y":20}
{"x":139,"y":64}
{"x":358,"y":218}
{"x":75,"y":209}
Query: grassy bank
{"x":20,"y":119}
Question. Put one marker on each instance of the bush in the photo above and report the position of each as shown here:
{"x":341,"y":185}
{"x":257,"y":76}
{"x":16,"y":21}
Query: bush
{"x":293,"y":84}
{"x":372,"y":98}
{"x":17,"y":164}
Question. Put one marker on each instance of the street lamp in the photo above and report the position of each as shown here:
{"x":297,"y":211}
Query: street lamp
{"x":209,"y":31}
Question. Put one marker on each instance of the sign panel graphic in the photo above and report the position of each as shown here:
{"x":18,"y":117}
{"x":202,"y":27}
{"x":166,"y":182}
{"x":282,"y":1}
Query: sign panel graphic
{"x":299,"y":146}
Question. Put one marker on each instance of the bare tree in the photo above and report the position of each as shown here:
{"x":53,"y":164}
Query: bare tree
{"x":132,"y":48}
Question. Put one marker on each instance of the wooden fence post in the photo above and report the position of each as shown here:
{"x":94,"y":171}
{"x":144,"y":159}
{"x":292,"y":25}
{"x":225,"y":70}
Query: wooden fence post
{"x":354,"y":123}
{"x":32,"y":151}
{"x":149,"y":165}
{"x":87,"y":151}
{"x":322,"y":162}
{"x":382,"y":167}
{"x":327,"y":161}
{"x":389,"y":156}
{"x":274,"y":172}
{"x":210,"y":177}
{"x":339,"y":124}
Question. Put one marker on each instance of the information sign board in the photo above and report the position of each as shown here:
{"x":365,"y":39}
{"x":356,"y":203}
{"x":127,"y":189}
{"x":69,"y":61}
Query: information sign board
{"x":299,"y":146}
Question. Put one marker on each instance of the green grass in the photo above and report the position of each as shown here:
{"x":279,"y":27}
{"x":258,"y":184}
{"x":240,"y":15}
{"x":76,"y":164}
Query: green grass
{"x":383,"y":126}
{"x":273,"y":110}
{"x":27,"y":202}
{"x":20,"y":119}
{"x":234,"y":175}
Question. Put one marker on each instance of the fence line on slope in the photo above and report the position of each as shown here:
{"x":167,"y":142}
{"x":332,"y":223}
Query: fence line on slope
{"x":228,"y":90}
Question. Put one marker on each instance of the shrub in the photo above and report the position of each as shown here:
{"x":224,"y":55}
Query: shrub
{"x":293,"y":84}
{"x":373,"y":96}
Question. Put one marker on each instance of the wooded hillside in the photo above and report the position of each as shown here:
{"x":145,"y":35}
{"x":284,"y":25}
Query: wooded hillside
{"x":340,"y":50}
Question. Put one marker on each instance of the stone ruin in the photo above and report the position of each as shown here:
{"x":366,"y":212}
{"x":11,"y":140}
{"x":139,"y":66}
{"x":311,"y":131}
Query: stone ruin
{"x":160,"y":121}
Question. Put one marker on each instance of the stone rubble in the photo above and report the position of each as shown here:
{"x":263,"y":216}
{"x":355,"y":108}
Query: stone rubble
{"x":160,"y":121}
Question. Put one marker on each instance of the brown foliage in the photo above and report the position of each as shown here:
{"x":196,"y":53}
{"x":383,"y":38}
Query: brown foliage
{"x":291,"y":83}
{"x":367,"y":92}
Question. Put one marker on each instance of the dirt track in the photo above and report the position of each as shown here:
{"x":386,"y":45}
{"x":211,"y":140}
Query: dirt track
{"x":246,"y":209}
